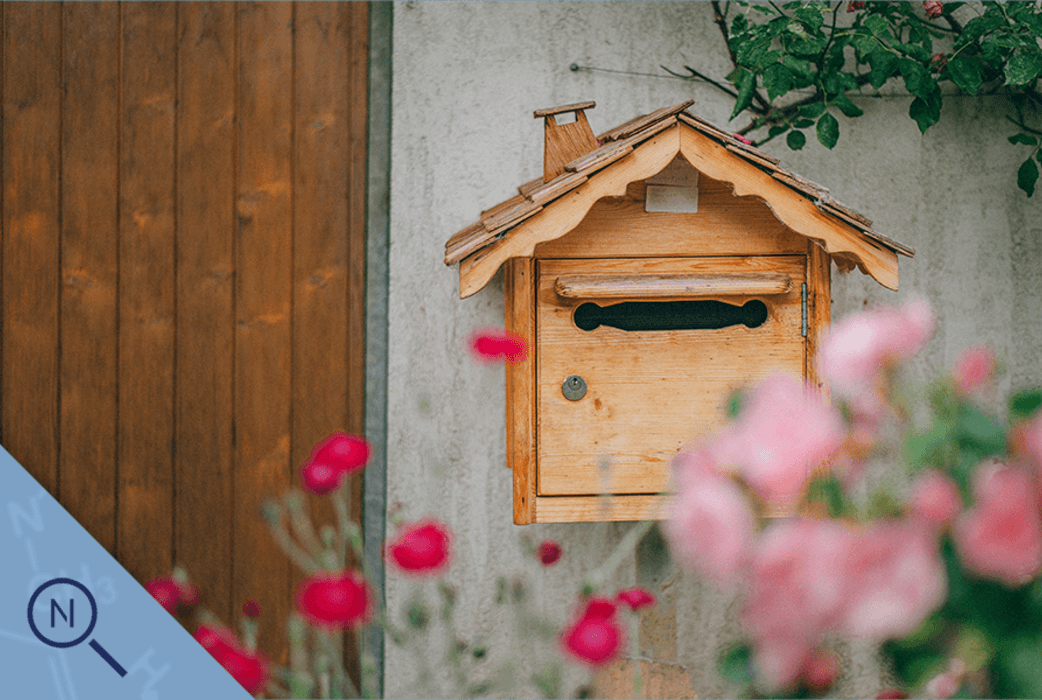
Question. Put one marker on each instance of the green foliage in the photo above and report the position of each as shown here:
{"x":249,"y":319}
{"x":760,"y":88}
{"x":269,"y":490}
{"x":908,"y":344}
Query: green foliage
{"x":828,"y":491}
{"x":807,"y":56}
{"x":736,"y":665}
{"x":1023,"y":404}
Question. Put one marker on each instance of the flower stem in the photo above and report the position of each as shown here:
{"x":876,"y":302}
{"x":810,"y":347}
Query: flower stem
{"x":625,"y":547}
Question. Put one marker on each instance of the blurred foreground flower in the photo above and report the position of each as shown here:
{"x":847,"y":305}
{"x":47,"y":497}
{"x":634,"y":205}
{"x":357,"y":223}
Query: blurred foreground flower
{"x":421,"y":548}
{"x":549,"y":552}
{"x":595,"y":637}
{"x":498,"y":346}
{"x":335,"y":601}
{"x":250,"y":668}
{"x":635,"y":598}
{"x":172,"y":593}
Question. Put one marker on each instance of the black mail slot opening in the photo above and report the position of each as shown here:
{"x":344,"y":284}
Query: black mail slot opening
{"x":670,"y":315}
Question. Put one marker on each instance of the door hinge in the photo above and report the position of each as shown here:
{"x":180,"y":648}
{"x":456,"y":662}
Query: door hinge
{"x":804,"y":309}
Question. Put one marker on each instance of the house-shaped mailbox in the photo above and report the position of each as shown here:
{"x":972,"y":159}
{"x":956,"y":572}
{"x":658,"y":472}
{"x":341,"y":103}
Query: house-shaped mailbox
{"x":654,"y":270}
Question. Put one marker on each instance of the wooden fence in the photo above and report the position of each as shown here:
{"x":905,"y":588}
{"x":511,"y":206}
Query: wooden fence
{"x":182,"y":272}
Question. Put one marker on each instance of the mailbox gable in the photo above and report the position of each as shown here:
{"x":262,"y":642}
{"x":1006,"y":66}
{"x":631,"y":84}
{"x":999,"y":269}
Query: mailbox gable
{"x":652,"y":276}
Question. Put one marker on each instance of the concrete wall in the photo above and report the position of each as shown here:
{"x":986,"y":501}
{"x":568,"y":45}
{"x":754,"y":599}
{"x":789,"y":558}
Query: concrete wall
{"x":466,"y":77}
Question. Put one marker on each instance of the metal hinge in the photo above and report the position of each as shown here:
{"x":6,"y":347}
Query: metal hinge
{"x":804,"y":309}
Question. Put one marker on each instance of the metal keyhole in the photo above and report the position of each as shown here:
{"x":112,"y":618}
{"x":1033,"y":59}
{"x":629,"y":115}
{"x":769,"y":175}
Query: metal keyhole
{"x":574,"y":388}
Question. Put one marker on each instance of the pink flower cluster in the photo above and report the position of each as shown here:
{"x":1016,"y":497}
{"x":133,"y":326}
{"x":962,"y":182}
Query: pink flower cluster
{"x":812,"y":577}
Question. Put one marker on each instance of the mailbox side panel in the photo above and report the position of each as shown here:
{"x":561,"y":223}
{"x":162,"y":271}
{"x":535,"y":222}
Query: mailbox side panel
{"x":519,"y":288}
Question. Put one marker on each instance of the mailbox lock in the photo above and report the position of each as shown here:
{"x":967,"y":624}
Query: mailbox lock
{"x":574,"y":388}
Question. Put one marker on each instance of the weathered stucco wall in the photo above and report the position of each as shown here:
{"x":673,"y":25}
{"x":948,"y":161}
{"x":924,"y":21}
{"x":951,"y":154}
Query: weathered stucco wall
{"x":466,"y":77}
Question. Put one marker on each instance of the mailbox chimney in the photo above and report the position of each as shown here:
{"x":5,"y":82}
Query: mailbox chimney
{"x":563,"y":143}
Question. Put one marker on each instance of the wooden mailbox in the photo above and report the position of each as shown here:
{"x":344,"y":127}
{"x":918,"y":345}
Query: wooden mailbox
{"x":654,"y":270}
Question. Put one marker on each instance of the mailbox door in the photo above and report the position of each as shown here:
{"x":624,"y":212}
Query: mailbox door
{"x":649,"y":390}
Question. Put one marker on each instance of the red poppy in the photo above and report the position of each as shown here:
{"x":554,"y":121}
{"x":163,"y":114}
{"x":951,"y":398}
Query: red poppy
{"x":595,"y":638}
{"x":421,"y":548}
{"x":635,"y":598}
{"x":335,"y":601}
{"x":499,"y":346}
{"x":549,"y":552}
{"x":349,"y":453}
{"x":321,"y":478}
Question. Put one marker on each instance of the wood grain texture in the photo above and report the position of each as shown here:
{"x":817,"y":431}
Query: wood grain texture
{"x":724,"y":225}
{"x":90,"y":266}
{"x":264,"y":266}
{"x":31,"y":237}
{"x":819,"y":308}
{"x":563,"y":143}
{"x":649,"y":392}
{"x":205,"y":455}
{"x":794,"y":210}
{"x":519,"y":286}
{"x":566,"y":212}
{"x":573,"y":509}
{"x":146,"y":289}
{"x":671,"y":286}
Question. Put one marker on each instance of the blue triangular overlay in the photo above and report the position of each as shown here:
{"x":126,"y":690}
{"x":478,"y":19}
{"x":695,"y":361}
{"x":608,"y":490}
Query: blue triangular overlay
{"x":106,"y":638}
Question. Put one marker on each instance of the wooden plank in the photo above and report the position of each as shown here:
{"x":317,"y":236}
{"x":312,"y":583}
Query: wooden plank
{"x":792,"y":208}
{"x":146,"y":289}
{"x":564,"y":108}
{"x":553,"y":222}
{"x":31,"y":235}
{"x":328,"y":246}
{"x":573,"y":509}
{"x":595,"y":160}
{"x":205,"y":457}
{"x":90,"y":263}
{"x":811,"y":189}
{"x":470,"y":239}
{"x":858,"y":222}
{"x":649,"y":392}
{"x":510,"y":216}
{"x":723,"y":225}
{"x":819,"y":308}
{"x":519,"y":289}
{"x":634,"y":125}
{"x":670,"y":286}
{"x":563,"y":143}
{"x":529,"y":187}
{"x":264,"y":275}
{"x":555,"y":188}
{"x":756,"y":157}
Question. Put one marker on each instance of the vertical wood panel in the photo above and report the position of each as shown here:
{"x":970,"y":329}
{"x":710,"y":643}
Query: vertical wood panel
{"x":819,"y":307}
{"x":89,"y":255}
{"x":146,"y":289}
{"x":31,"y":232}
{"x":205,"y":301}
{"x":264,"y":263}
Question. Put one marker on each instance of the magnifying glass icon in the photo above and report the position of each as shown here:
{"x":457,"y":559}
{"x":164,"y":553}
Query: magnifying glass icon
{"x":57,"y":616}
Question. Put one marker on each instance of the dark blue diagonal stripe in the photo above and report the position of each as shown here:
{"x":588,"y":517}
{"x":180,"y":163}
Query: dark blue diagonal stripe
{"x":108,"y":658}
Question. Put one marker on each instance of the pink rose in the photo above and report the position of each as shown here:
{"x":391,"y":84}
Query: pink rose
{"x":974,"y":368}
{"x":786,"y":430}
{"x":1000,"y":537}
{"x":711,"y":526}
{"x":859,"y":349}
{"x":1027,"y":440}
{"x":895,"y":580}
{"x":797,"y":593}
{"x":855,"y":5}
{"x":933,"y":8}
{"x":935,"y":499}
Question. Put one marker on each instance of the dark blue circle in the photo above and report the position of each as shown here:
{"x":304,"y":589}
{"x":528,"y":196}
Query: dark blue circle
{"x":93,"y":613}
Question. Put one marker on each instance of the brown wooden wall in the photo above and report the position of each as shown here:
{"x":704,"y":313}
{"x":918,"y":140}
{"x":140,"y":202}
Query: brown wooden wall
{"x":182,"y":271}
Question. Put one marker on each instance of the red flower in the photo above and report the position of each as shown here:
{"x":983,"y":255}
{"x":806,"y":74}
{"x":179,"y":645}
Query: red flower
{"x":348,"y":453}
{"x":171,"y":593}
{"x":892,"y":694}
{"x":549,"y":552}
{"x":421,"y":548}
{"x":251,"y":608}
{"x":635,"y":598}
{"x":250,"y":669}
{"x":596,"y":637}
{"x":320,"y":478}
{"x":739,"y":137}
{"x":334,"y":601}
{"x":499,"y":346}
{"x":821,"y":671}
{"x":933,"y":8}
{"x":855,"y":5}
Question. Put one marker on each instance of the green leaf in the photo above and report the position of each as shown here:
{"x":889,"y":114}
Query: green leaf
{"x":736,"y":665}
{"x":777,"y":79}
{"x":739,"y":25}
{"x":802,"y":123}
{"x":828,"y":491}
{"x":746,"y":88}
{"x":966,"y":73}
{"x":751,"y":53}
{"x":1023,"y":67}
{"x":875,"y":24}
{"x":918,"y":80}
{"x":1027,"y":176}
{"x":1016,"y":669}
{"x":812,"y":110}
{"x":980,"y":432}
{"x":1025,"y":139}
{"x":734,"y":403}
{"x":800,"y":68}
{"x":848,"y":108}
{"x":1023,"y":404}
{"x":809,"y":17}
{"x":978,"y":27}
{"x":929,"y":447}
{"x":777,"y":130}
{"x":926,"y":112}
{"x":883,"y":63}
{"x":864,"y":44}
{"x":828,"y":130}
{"x":796,"y":140}
{"x":919,"y":53}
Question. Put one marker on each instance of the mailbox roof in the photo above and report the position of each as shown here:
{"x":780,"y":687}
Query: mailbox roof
{"x":501,"y":223}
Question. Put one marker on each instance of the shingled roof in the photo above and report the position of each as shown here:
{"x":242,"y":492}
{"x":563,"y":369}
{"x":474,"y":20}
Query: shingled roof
{"x":499,"y":223}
